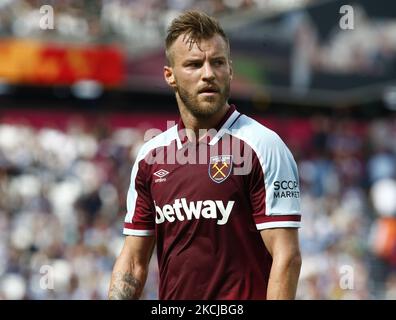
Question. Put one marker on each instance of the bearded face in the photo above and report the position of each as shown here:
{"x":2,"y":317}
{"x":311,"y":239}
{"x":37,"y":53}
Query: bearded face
{"x":205,"y":101}
{"x":201,"y":75}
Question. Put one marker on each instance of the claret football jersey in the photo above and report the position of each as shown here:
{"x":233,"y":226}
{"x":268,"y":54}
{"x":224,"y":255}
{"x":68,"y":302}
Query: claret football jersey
{"x":206,"y":202}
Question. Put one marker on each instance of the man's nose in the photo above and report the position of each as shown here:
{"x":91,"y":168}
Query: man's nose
{"x":208,"y":74}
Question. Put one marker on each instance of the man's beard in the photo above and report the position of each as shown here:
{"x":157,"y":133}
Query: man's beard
{"x":206,"y":107}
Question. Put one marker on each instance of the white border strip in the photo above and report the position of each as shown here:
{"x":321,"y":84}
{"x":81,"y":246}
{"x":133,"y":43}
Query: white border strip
{"x":224,"y":128}
{"x":278,"y":224}
{"x":133,"y":232}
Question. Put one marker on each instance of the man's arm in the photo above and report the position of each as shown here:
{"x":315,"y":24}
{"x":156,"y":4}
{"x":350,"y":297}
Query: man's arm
{"x":282,"y":244}
{"x":131,"y":267}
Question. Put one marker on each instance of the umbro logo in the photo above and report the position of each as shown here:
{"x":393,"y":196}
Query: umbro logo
{"x":160,"y":174}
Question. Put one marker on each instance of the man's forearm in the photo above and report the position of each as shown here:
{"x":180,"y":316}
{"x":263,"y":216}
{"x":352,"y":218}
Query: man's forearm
{"x":125,"y":286}
{"x":127,"y":282}
{"x":283,"y":279}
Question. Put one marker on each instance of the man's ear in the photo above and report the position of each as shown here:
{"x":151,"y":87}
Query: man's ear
{"x":169,"y":77}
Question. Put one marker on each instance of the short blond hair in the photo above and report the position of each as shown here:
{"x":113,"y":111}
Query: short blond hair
{"x":194,"y":25}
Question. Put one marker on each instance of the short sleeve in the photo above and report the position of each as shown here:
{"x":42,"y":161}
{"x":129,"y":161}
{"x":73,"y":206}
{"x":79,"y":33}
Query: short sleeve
{"x":139,"y":220}
{"x":274,"y":186}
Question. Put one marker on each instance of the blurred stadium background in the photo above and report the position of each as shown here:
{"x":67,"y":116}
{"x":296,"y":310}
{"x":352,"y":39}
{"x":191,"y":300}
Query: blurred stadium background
{"x":76,"y":100}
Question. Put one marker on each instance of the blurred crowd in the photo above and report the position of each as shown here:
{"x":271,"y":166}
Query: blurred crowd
{"x":348,"y":184}
{"x":139,"y":25}
{"x":62,"y":205}
{"x":63,"y":194}
{"x":350,"y":52}
{"x":367,"y":47}
{"x":135,"y":23}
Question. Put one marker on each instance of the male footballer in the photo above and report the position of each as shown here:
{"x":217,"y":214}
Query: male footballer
{"x":225,"y":222}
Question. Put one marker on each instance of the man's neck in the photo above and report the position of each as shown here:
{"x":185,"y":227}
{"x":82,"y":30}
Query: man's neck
{"x":195,"y":124}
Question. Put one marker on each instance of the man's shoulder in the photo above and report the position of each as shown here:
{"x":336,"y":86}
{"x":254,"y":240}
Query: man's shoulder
{"x":161,"y":140}
{"x":256,"y":134}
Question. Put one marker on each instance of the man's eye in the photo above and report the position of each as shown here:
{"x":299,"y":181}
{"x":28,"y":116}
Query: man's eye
{"x":194,"y":65}
{"x":219,"y":62}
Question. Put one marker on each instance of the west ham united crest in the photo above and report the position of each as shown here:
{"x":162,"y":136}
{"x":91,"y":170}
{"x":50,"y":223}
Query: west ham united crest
{"x":220,"y":168}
